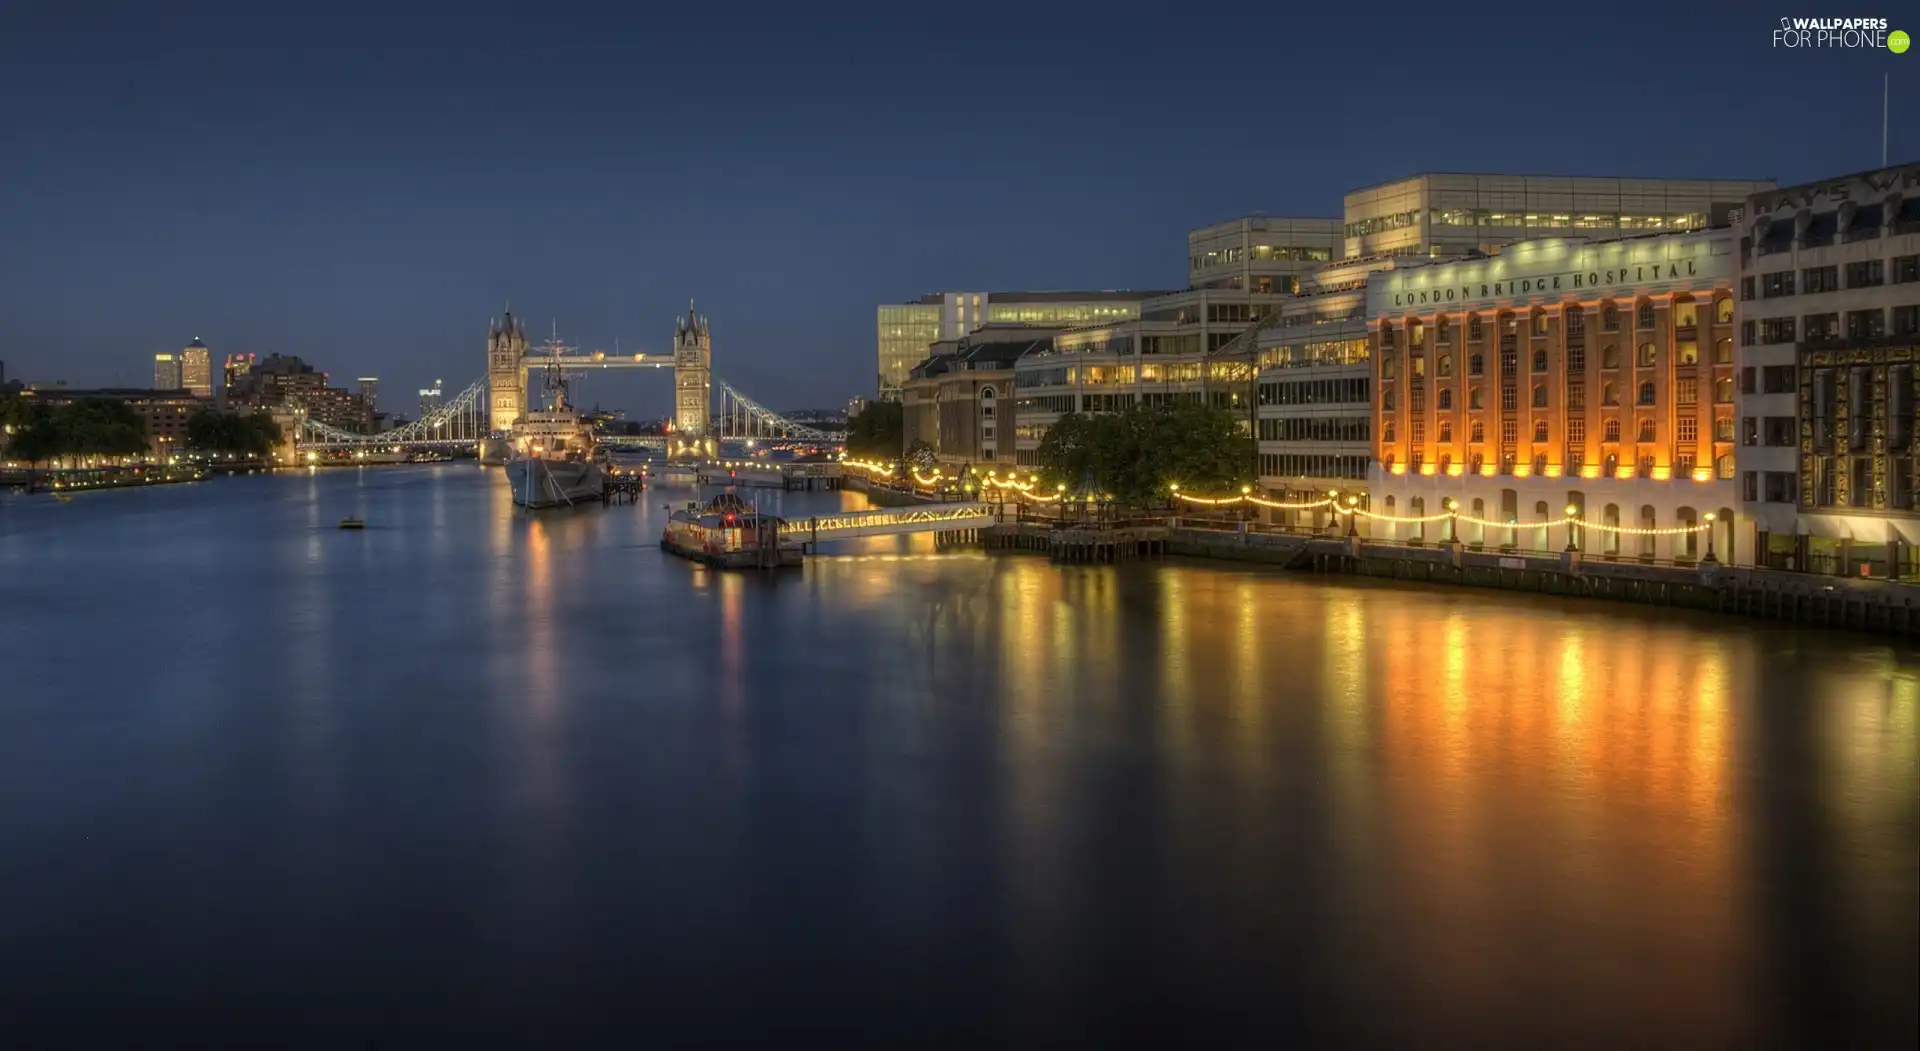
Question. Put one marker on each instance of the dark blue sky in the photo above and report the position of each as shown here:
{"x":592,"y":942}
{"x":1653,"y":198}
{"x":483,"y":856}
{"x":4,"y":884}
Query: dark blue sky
{"x":363,"y":186}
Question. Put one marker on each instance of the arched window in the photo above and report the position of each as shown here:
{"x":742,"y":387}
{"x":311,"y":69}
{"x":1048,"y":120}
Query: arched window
{"x":1647,"y":521}
{"x":1386,"y":432}
{"x":1478,"y":463}
{"x":1723,"y":351}
{"x":1446,"y":431}
{"x":1646,"y":428}
{"x":1609,"y":395}
{"x":1609,"y":317}
{"x":1416,"y":332}
{"x":1418,"y":507}
{"x":1539,"y":361}
{"x":1646,"y":355}
{"x":1539,"y":322}
{"x":1480,"y":512}
{"x":1685,"y":312}
{"x":1613,"y":464}
{"x":1389,"y":367}
{"x":1646,"y":393}
{"x":1444,"y":367}
{"x":1441,"y":332}
{"x":1446,"y":459}
{"x":1687,"y":518}
{"x":1476,"y":364}
{"x":1542,"y":517}
{"x":1477,"y":432}
{"x":1723,"y":310}
{"x":1539,"y":430}
{"x":1688,"y":353}
{"x":1723,"y":390}
{"x":987,"y":402}
{"x":1643,"y":315}
{"x":1539,"y":395}
{"x":1473,"y":327}
{"x":1446,"y":399}
{"x":1612,"y":432}
{"x":1475,"y":400}
{"x":1609,"y":357}
{"x":1539,"y":465}
{"x":1386,"y":401}
{"x":1723,"y":467}
{"x":1611,"y":517}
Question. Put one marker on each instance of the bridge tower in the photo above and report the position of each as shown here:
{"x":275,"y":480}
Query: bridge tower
{"x":506,"y":371}
{"x":692,"y":375}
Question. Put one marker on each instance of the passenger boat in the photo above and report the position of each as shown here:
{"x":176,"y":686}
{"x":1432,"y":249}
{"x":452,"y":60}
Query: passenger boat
{"x":729,"y":533}
{"x":353,"y":523}
{"x":555,"y":460}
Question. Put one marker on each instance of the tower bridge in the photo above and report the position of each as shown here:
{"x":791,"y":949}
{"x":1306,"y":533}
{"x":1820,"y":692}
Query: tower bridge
{"x":490,"y":405}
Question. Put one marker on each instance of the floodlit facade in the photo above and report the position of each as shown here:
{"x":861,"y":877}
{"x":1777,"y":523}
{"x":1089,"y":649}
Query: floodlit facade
{"x":1260,"y":253}
{"x":959,"y":401}
{"x":1563,"y":373}
{"x":1829,"y":320}
{"x":196,"y":369}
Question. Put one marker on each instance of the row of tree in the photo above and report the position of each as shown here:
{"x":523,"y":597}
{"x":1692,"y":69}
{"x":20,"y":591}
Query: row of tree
{"x":878,"y":431}
{"x":39,"y":433}
{"x":1136,"y":456}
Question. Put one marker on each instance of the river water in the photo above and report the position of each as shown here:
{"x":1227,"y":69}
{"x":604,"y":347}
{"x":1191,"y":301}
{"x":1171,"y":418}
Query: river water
{"x":474,"y":774}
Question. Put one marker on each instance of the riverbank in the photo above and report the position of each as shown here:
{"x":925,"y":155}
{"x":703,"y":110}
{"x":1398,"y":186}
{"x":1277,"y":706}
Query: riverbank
{"x":1874,"y":606}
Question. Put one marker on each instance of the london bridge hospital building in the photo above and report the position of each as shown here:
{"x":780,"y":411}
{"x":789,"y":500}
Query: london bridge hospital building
{"x":1563,"y":381}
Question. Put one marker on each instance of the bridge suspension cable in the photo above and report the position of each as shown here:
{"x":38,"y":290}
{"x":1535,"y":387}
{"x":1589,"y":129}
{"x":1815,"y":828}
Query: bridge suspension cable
{"x":742,"y":417}
{"x":460,"y":421}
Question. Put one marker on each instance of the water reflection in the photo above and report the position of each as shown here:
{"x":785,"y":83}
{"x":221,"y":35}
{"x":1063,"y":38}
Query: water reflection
{"x":1071,"y":800}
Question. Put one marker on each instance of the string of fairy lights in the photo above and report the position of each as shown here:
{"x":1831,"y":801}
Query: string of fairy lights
{"x":1030,"y":490}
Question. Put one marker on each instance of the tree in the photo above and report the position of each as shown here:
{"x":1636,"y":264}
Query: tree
{"x":1134,"y":455}
{"x":878,"y":431}
{"x":216,"y":432}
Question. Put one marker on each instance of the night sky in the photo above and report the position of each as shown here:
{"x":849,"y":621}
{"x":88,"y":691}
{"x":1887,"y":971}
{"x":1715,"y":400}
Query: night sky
{"x":364,"y":186}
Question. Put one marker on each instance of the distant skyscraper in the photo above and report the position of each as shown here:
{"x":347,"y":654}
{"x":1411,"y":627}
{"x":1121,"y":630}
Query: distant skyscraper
{"x":430,"y":399}
{"x":370,"y":392}
{"x":166,"y":371}
{"x":196,"y":369}
{"x":238,"y":365}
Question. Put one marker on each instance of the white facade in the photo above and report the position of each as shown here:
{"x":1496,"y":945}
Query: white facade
{"x":166,"y":371}
{"x":1829,"y":316}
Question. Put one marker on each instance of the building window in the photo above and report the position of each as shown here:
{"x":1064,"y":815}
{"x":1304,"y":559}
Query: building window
{"x":1779,"y":430}
{"x":1866,"y":324}
{"x":1777,"y":284}
{"x":1608,"y":394}
{"x":1473,"y":328}
{"x":1609,"y":357}
{"x":1646,"y":393}
{"x":1476,"y":364}
{"x":1906,"y":268}
{"x":1419,"y":428}
{"x":1609,"y":317}
{"x":1477,"y":432}
{"x":1906,"y":319}
{"x":1688,"y":353}
{"x":1870,"y":273}
{"x":1686,"y":391}
{"x":1576,"y":360}
{"x":1445,"y":400}
{"x":1723,"y":390}
{"x":1723,"y":351}
{"x":1723,"y":310}
{"x":1643,"y":316}
{"x":1647,"y":355}
{"x":1646,"y":428}
{"x":1539,"y":430}
{"x":1474,"y":399}
{"x":1540,"y":396}
{"x":1509,"y":399}
{"x":1539,"y":322}
{"x":1576,"y":430}
{"x":1687,"y":430}
{"x":1576,"y":397}
{"x":1386,"y":432}
{"x":1446,"y":431}
{"x":1723,"y":428}
{"x":1509,"y":431}
{"x":1539,"y":361}
{"x":1817,"y":279}
{"x":1750,"y":486}
{"x":1776,"y":330}
{"x":1746,"y":288}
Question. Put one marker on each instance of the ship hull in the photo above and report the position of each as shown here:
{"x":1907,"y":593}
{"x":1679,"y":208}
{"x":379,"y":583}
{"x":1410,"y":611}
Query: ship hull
{"x":541,"y":483}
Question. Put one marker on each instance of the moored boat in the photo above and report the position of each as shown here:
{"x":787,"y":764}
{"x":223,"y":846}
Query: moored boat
{"x":555,"y":461}
{"x":731,"y":534}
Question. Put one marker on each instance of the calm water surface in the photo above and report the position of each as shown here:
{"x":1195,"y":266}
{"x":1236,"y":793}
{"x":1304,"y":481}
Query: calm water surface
{"x":480,"y":775}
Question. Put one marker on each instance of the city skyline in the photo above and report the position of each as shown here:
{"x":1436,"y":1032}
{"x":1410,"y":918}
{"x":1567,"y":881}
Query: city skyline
{"x":373,"y":222}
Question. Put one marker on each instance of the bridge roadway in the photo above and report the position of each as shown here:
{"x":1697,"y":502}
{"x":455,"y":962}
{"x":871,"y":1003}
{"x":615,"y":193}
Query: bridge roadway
{"x":890,"y":521}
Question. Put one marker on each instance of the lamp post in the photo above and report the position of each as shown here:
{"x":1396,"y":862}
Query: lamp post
{"x":1353,"y":516}
{"x":1571,"y":527}
{"x":1710,"y":517}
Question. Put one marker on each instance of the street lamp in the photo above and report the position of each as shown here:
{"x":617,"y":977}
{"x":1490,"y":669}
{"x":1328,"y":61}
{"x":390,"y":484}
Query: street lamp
{"x":1572,"y":510}
{"x":1710,"y":517}
{"x":1353,"y":516}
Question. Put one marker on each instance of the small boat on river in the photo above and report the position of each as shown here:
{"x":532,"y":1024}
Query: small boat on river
{"x":729,"y":533}
{"x":351,"y":522}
